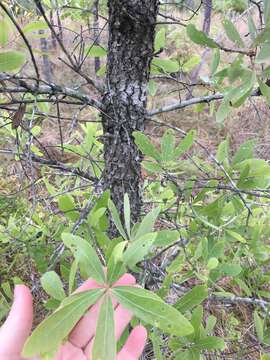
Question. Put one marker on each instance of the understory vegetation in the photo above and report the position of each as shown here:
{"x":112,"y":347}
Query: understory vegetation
{"x":175,"y":189}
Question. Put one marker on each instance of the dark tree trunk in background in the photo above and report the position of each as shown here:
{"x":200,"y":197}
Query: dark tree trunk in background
{"x":131,"y":38}
{"x":207,"y":16}
{"x":95,"y":10}
{"x":47,"y":68}
{"x":208,"y":6}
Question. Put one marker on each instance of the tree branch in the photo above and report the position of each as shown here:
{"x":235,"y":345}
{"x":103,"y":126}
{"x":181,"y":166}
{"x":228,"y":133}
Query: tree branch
{"x":50,"y":89}
{"x":240,"y":300}
{"x":182,"y":104}
{"x":198,"y":100}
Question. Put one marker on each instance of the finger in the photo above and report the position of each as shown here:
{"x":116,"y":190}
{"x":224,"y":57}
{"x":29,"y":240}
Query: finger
{"x":122,"y":318}
{"x":135,"y":344}
{"x":69,"y":352}
{"x":84,"y":331}
{"x":17,"y":327}
{"x":87,"y":285}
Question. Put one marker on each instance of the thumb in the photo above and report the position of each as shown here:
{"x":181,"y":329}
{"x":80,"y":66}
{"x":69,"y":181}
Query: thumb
{"x":17,"y":327}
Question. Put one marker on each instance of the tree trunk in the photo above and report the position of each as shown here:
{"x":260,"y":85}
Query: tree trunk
{"x":207,"y":16}
{"x":95,"y":10}
{"x":47,"y":68}
{"x":131,"y":39}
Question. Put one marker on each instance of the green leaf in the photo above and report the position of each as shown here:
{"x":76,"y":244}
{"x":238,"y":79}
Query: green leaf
{"x":152,"y":88}
{"x":4,"y":32}
{"x":138,"y":249}
{"x":232,"y":32}
{"x":245,"y":151}
{"x":150,"y":308}
{"x":185,"y":144}
{"x":104,"y":347}
{"x":223,"y":111}
{"x":210,"y":324}
{"x":166,"y":237}
{"x":196,"y":321}
{"x":95,"y":217}
{"x":11,"y":60}
{"x":167,"y":146}
{"x":116,"y":267}
{"x":127,"y":213}
{"x":193,"y":298}
{"x":266,"y":5}
{"x":157,"y":345}
{"x":252,"y":28}
{"x":258,"y":167}
{"x":86,"y":256}
{"x":145,"y":145}
{"x":50,"y":333}
{"x":223,"y":151}
{"x":231,"y":269}
{"x":67,"y":206}
{"x":210,"y":343}
{"x":215,"y":61}
{"x":116,"y":219}
{"x":191,"y":63}
{"x":199,"y":37}
{"x":212,"y":263}
{"x":160,"y":39}
{"x":72,"y":276}
{"x":95,"y":51}
{"x":52,"y":284}
{"x":263,"y":36}
{"x":264,"y":54}
{"x":236,"y":236}
{"x":152,"y":167}
{"x":166,"y":65}
{"x":259,"y":326}
{"x":35,"y":26}
{"x":148,"y":222}
{"x":265,"y":357}
{"x":265,"y":89}
{"x":237,"y":96}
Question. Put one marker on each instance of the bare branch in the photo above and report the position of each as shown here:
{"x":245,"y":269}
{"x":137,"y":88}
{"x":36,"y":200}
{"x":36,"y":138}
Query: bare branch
{"x":50,"y":89}
{"x":194,"y":101}
{"x":182,"y":104}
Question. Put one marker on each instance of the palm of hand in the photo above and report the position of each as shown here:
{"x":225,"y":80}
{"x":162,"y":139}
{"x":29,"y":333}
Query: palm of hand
{"x":17,"y":327}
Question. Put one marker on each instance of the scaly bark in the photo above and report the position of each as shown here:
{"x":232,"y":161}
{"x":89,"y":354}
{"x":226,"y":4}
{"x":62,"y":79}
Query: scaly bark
{"x":131,"y":39}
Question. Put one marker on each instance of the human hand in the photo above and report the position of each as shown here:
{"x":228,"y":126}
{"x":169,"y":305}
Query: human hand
{"x":17,"y":328}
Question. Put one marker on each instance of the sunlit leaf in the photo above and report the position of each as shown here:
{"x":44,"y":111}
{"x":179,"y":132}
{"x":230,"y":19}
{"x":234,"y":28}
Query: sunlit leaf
{"x":185,"y":144}
{"x":11,"y":60}
{"x":145,"y":145}
{"x":210,"y":343}
{"x":232,"y":32}
{"x":166,"y":65}
{"x":52,"y":284}
{"x":193,"y":298}
{"x":116,"y":219}
{"x":147,"y":223}
{"x":138,"y":249}
{"x":50,"y":333}
{"x":160,"y":39}
{"x":105,"y":343}
{"x":148,"y":307}
{"x":127,"y":213}
{"x":167,"y":146}
{"x":199,"y":37}
{"x":116,"y":267}
{"x":86,"y":256}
